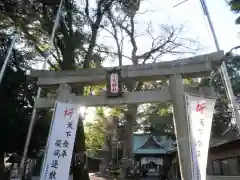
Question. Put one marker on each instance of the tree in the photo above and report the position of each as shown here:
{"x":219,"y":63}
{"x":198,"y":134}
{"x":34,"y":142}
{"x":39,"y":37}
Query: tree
{"x":158,"y":118}
{"x":157,"y":122}
{"x":222,"y":119}
{"x":95,"y":132}
{"x":74,"y":46}
{"x":235,"y":7}
{"x":150,"y":117}
{"x":17,"y":97}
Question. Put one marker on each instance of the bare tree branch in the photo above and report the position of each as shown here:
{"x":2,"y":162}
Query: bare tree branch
{"x":131,"y":34}
{"x":87,"y":12}
{"x":101,"y":10}
{"x":115,"y":36}
{"x":114,"y":54}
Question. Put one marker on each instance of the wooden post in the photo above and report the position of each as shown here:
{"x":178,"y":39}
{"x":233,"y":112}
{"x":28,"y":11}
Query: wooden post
{"x":181,"y":126}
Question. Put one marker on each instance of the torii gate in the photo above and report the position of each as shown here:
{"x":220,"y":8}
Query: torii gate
{"x":198,"y":66}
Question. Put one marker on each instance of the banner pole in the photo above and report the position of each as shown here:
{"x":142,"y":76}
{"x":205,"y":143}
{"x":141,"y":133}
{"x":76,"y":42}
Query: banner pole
{"x":56,"y":22}
{"x":223,"y":69}
{"x":4,"y":66}
{"x":189,"y":130}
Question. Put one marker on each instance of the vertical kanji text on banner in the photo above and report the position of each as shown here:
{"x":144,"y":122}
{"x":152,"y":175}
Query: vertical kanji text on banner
{"x":60,"y":142}
{"x":200,"y":113}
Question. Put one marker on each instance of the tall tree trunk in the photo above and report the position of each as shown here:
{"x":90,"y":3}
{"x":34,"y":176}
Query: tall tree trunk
{"x":79,"y":171}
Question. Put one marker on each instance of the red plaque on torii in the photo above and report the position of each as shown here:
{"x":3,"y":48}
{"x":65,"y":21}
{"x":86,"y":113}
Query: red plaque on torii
{"x":114,"y":83}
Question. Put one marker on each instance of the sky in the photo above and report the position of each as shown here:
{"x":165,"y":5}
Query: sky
{"x":192,"y":15}
{"x":196,"y":27}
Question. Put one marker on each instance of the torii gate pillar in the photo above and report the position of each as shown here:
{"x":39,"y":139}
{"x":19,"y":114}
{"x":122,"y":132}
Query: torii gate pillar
{"x":181,"y":126}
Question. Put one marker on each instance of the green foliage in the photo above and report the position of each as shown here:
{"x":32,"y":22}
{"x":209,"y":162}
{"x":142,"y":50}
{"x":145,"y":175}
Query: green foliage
{"x":149,"y":117}
{"x":73,"y":44}
{"x":95,"y":132}
{"x":17,"y":92}
{"x":222,"y":116}
{"x":74,"y":41}
{"x":154,"y":113}
{"x":154,"y":122}
{"x":235,"y":7}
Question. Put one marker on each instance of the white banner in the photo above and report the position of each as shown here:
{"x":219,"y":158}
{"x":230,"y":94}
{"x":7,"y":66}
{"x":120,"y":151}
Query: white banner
{"x":60,"y":142}
{"x":200,"y":113}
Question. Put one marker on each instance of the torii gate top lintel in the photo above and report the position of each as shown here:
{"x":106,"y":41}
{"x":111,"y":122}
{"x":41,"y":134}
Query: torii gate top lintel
{"x":197,"y":66}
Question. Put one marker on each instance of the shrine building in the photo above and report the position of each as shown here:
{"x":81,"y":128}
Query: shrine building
{"x":151,"y":152}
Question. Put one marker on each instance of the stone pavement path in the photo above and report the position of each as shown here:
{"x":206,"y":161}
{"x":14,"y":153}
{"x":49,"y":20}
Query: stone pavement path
{"x":96,"y":176}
